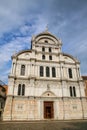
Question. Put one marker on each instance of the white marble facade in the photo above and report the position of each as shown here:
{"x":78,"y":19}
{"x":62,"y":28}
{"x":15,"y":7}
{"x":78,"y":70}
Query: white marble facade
{"x":45,"y":83}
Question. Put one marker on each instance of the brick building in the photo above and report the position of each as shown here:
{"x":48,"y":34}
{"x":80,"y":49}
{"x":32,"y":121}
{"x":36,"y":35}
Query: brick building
{"x":3,"y":93}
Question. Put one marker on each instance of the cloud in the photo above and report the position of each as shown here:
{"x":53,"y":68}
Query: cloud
{"x":19,"y":20}
{"x":7,"y":50}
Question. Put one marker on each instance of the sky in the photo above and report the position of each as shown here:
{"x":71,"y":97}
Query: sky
{"x":21,"y":19}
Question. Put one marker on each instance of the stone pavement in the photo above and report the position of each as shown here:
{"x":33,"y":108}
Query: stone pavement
{"x":44,"y":125}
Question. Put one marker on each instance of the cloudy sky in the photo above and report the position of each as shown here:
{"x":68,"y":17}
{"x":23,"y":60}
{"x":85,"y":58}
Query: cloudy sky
{"x":20,"y":19}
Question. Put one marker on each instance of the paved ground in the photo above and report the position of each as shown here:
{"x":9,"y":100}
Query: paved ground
{"x":45,"y":125}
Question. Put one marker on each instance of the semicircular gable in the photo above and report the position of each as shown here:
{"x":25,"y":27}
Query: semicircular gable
{"x":45,"y":39}
{"x":70,"y":58}
{"x":46,"y":36}
{"x":22,"y":54}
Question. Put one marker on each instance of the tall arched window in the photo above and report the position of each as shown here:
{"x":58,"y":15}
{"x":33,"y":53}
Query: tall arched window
{"x":70,"y":72}
{"x":50,"y":57}
{"x":50,"y":49}
{"x":74,"y":92}
{"x":22,"y":69}
{"x":71,"y":94}
{"x":23,"y":89}
{"x":41,"y":71}
{"x":43,"y":48}
{"x":53,"y":72}
{"x":19,"y":89}
{"x":43,"y":57}
{"x":47,"y":72}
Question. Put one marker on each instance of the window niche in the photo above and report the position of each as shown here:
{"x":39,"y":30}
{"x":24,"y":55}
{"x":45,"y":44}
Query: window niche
{"x":22,"y":69}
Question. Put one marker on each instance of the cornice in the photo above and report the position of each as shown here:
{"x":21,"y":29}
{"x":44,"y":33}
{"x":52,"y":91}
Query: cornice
{"x":46,"y":53}
{"x":48,"y":98}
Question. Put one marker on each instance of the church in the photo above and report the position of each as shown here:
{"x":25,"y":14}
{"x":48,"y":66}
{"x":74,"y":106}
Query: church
{"x":45,"y":83}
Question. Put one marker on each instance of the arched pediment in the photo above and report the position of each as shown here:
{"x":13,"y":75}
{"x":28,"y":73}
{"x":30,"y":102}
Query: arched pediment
{"x":70,"y":58}
{"x":46,"y":36}
{"x":48,"y":94}
{"x":22,"y":54}
{"x":46,"y":40}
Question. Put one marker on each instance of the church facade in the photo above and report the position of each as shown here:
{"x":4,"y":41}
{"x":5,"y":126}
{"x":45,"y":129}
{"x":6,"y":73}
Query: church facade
{"x":45,"y":83}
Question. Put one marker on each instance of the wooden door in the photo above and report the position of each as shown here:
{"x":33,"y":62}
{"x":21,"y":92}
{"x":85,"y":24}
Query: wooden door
{"x":48,"y":110}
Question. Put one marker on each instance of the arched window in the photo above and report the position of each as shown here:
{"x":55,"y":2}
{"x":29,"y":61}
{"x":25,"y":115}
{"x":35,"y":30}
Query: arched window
{"x":47,"y":72}
{"x":43,"y":56}
{"x":22,"y":69}
{"x":41,"y":71}
{"x":70,"y":72}
{"x":50,"y":49}
{"x":43,"y":48}
{"x":71,"y":94}
{"x":74,"y":92}
{"x":19,"y":89}
{"x":50,"y":57}
{"x":53,"y":72}
{"x":23,"y":89}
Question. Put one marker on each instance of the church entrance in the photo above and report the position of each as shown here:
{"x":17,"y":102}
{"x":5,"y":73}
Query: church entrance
{"x":48,"y":110}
